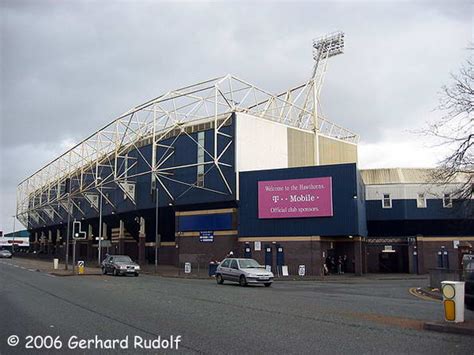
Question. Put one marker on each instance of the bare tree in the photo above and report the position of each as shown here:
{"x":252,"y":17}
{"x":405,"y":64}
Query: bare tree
{"x":455,"y":131}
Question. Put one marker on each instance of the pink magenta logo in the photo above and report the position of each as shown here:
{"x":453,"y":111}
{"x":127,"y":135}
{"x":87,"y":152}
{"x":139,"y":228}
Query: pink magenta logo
{"x":295,"y":198}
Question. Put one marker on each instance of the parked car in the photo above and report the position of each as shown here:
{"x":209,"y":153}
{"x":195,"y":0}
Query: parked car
{"x":5,"y":254}
{"x":120,"y":265}
{"x":468,"y":276}
{"x":243,"y":271}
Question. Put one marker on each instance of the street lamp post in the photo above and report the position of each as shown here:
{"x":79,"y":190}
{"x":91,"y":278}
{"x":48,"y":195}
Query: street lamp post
{"x":157,"y":236}
{"x":14,"y":226}
{"x":100,"y":224}
{"x":68,"y":229}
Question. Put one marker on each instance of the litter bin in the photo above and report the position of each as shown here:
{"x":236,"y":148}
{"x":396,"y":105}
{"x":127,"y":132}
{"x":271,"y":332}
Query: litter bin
{"x":212,"y":268}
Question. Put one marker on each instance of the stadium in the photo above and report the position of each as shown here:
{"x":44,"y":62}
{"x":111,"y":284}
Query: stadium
{"x":223,"y":165}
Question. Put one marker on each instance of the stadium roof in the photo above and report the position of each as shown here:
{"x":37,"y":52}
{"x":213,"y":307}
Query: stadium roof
{"x":213,"y":99}
{"x":407,"y":176}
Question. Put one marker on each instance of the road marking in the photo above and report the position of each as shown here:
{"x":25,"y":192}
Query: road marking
{"x":413,"y":292}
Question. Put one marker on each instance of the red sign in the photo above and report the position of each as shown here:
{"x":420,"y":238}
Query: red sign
{"x":295,"y":198}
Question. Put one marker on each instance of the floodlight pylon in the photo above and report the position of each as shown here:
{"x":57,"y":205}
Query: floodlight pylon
{"x":324,"y":47}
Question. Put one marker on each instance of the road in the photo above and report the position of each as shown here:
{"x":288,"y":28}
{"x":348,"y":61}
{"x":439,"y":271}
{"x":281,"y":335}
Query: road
{"x":360,"y":316}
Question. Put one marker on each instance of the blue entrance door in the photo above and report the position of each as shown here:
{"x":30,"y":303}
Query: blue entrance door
{"x":268,"y":256}
{"x":280,"y":257}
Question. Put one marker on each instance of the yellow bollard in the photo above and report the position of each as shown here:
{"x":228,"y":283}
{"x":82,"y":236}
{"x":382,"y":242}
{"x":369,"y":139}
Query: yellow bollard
{"x":80,"y":267}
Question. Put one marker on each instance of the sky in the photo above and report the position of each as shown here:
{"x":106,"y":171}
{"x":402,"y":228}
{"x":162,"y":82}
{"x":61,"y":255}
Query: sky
{"x":67,"y":68}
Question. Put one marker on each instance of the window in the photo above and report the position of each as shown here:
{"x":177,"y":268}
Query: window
{"x":387,"y":201}
{"x":421,"y":201}
{"x":225,"y":263}
{"x":447,"y":201}
{"x":200,"y":160}
{"x":233,"y":264}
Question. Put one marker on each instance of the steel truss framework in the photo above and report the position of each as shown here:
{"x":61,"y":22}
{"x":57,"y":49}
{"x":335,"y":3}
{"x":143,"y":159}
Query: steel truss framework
{"x":101,"y":161}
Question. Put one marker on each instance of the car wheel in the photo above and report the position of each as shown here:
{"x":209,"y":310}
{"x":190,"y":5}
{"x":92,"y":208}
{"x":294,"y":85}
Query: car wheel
{"x":104,"y":271}
{"x":115,"y":272}
{"x":242,"y":281}
{"x":136,"y":274}
{"x":219,"y":279}
{"x":268,"y":284}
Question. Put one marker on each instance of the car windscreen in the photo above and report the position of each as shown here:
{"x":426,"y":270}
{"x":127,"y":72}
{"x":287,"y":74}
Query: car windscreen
{"x":248,"y":264}
{"x":122,"y":259}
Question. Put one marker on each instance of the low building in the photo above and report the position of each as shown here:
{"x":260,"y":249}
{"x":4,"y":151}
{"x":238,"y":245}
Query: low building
{"x":414,"y":221}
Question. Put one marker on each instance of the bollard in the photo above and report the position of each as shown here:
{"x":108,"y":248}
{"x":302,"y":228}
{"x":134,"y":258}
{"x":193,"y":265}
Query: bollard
{"x":55,"y":264}
{"x":80,"y":267}
{"x":453,"y":301}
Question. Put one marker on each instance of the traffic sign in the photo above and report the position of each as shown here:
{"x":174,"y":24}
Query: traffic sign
{"x":77,"y":233}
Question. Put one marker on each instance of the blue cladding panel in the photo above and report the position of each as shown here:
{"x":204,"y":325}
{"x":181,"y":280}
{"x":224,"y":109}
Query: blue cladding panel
{"x":349,"y":213}
{"x":361,"y":205}
{"x":213,"y":222}
{"x":184,"y":152}
{"x":407,"y":210}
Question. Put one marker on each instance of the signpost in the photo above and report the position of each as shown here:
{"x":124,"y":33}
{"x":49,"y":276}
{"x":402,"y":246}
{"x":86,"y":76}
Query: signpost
{"x":206,"y":236}
{"x":77,"y":234}
{"x":258,"y":246}
{"x":301,"y":270}
{"x":187,"y":268}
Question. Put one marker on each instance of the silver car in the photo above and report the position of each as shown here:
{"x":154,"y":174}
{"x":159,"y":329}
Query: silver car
{"x":120,"y":265}
{"x":5,"y":254}
{"x":243,"y":271}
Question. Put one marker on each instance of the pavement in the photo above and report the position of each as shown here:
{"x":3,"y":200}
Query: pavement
{"x":306,"y":317}
{"x":46,"y":265}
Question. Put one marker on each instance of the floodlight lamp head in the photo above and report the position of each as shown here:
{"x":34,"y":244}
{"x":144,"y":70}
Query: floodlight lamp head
{"x":329,"y":45}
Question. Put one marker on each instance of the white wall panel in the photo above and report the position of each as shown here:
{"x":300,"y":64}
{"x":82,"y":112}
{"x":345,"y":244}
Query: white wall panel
{"x":261,"y":144}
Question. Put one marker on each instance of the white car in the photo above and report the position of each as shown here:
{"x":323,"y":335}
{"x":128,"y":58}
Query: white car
{"x":243,"y":271}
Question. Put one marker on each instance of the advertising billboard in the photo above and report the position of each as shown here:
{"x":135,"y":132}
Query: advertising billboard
{"x":295,"y":198}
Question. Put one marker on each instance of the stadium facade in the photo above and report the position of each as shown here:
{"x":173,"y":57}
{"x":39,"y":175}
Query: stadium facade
{"x":225,"y":166}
